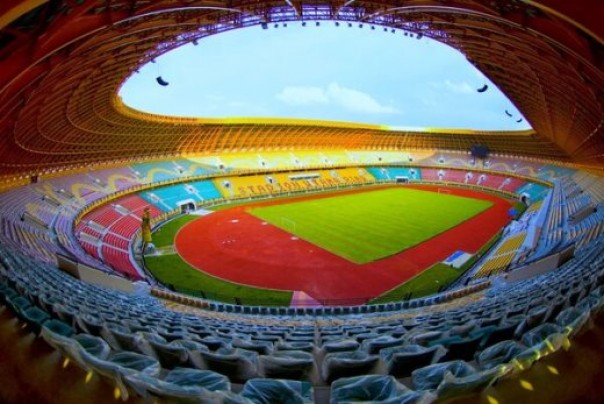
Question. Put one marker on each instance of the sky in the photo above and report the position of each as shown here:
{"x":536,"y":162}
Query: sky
{"x":343,"y":73}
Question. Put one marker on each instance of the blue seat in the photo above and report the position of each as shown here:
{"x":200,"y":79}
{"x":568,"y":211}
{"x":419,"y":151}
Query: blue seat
{"x":179,"y":385}
{"x":271,"y":391}
{"x":372,"y":388}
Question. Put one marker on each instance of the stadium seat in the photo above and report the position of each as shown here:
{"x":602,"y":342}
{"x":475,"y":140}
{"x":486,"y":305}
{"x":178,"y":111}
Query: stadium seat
{"x":341,"y":346}
{"x":430,"y":377}
{"x":346,"y":364}
{"x":460,"y":348}
{"x":295,"y":365}
{"x":179,"y":385}
{"x":497,"y":354}
{"x":540,"y":334}
{"x":402,"y":361}
{"x":118,"y":365}
{"x":373,"y":346}
{"x":237,"y":364}
{"x":375,"y":389}
{"x":269,"y":391}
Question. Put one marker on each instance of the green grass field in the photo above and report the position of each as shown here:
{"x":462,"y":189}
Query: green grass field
{"x":423,"y":284}
{"x":164,"y":236}
{"x":367,"y":226}
{"x":171,"y":269}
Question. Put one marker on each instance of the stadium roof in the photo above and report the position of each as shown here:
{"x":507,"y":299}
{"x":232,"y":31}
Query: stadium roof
{"x":62,"y":63}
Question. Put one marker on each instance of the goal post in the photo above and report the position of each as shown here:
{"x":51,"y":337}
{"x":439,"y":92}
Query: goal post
{"x":288,"y":224}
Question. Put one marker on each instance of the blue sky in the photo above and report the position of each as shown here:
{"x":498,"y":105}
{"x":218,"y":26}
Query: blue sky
{"x":326,"y":72}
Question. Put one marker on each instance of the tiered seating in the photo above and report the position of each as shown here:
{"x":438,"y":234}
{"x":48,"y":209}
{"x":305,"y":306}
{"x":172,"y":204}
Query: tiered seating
{"x":499,"y":260}
{"x":81,"y":186}
{"x":535,"y":191}
{"x":265,"y":160}
{"x":511,"y":184}
{"x":391,"y":173}
{"x":193,"y":168}
{"x":511,"y":165}
{"x":258,"y":185}
{"x":551,"y":172}
{"x":447,"y":159}
{"x":442,"y":351}
{"x":356,"y":157}
{"x":432,"y":174}
{"x":555,"y":224}
{"x":591,"y":184}
{"x":490,"y":180}
{"x":171,"y":197}
{"x":119,"y":223}
{"x":119,"y":260}
{"x":105,"y":217}
{"x":577,"y":204}
{"x":116,"y":241}
{"x":156,"y":172}
{"x":454,"y":176}
{"x":534,"y":207}
{"x":588,"y":229}
{"x":44,"y":212}
{"x":114,"y":179}
{"x":29,"y":239}
{"x":397,"y":351}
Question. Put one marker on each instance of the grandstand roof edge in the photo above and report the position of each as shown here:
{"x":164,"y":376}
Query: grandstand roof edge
{"x":131,"y":112}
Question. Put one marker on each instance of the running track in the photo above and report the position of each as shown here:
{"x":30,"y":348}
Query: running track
{"x":234,"y":245}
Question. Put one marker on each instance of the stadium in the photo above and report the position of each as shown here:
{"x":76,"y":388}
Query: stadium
{"x":154,"y":258}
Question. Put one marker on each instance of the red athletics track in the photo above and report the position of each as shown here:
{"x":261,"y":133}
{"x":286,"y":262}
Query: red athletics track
{"x":234,"y":245}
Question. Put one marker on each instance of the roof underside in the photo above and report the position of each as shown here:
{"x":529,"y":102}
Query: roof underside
{"x":62,"y":63}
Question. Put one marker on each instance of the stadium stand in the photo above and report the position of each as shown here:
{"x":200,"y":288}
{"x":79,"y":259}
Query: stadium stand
{"x":61,"y":115}
{"x":174,"y":196}
{"x":156,"y":172}
{"x":498,"y":260}
{"x":139,"y":336}
{"x":392,"y":173}
{"x":258,"y":185}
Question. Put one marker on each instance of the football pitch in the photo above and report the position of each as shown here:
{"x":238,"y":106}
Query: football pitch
{"x":368,"y":226}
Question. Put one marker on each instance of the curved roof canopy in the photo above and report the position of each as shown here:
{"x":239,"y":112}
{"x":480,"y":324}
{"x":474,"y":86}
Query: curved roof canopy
{"x":62,"y":63}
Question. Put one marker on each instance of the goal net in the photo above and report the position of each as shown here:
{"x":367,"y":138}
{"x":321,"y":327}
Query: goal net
{"x":288,"y":224}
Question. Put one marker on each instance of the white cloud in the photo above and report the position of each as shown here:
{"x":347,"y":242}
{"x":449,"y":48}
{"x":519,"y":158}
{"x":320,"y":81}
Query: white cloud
{"x":346,"y":98}
{"x":357,"y":101}
{"x":460,"y":88}
{"x":302,"y":96}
